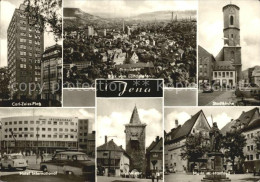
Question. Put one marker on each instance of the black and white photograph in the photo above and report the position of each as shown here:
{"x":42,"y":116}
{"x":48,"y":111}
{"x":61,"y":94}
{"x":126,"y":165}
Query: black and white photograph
{"x":228,"y":53}
{"x":79,"y":97}
{"x":212,"y":144}
{"x":180,"y":97}
{"x":130,"y":39}
{"x":129,"y":139}
{"x":31,"y":53}
{"x":48,"y":144}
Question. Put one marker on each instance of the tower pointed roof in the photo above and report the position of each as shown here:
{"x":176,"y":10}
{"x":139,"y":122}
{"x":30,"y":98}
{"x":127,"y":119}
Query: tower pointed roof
{"x":135,"y":117}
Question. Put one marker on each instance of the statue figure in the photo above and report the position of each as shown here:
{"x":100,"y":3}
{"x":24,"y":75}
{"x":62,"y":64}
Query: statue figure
{"x":215,"y":137}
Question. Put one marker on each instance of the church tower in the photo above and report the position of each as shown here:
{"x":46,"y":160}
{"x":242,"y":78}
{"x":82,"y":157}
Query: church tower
{"x":232,"y":48}
{"x":135,"y":142}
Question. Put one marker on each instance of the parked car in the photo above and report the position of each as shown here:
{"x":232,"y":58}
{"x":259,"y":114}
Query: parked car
{"x":134,"y":174}
{"x":207,"y":88}
{"x":72,"y":163}
{"x":248,"y":91}
{"x":14,"y":161}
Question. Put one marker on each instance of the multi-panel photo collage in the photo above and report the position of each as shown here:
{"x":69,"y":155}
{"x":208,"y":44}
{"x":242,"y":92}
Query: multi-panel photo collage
{"x":130,"y":90}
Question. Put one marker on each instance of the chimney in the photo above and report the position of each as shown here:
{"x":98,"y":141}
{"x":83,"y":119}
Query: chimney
{"x":105,"y":139}
{"x":176,"y":123}
{"x":157,"y":139}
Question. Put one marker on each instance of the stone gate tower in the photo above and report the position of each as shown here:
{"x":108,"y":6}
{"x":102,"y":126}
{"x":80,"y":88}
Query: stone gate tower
{"x":232,"y":48}
{"x":135,"y":141}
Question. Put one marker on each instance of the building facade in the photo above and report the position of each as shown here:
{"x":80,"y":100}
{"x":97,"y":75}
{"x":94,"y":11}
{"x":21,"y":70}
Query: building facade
{"x":24,"y":50}
{"x":135,"y":142}
{"x":112,"y":159}
{"x":252,"y":150}
{"x":91,"y":144}
{"x":154,"y":156}
{"x":83,"y":130}
{"x":206,"y":65}
{"x":175,"y":142}
{"x":51,"y":73}
{"x":42,"y":134}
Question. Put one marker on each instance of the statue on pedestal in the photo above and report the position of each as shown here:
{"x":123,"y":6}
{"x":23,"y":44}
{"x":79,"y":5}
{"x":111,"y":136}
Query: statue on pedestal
{"x":215,"y":137}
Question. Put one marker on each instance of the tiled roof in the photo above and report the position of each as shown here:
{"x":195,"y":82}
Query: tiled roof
{"x":110,"y":146}
{"x":220,"y":56}
{"x":186,"y":127}
{"x":253,"y":125}
{"x":245,"y":118}
{"x":135,"y":117}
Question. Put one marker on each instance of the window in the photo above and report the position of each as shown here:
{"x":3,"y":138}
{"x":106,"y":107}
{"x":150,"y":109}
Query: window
{"x":60,"y":129}
{"x":248,"y":148}
{"x":54,"y":129}
{"x":22,"y":53}
{"x":22,"y":40}
{"x":251,"y":157}
{"x":22,"y":46}
{"x":31,"y":129}
{"x":231,"y":20}
{"x":22,"y":65}
{"x":31,"y":122}
{"x":252,"y":147}
{"x":252,"y":135}
{"x":15,"y":122}
{"x":43,"y":129}
{"x":43,"y":136}
{"x":20,"y":122}
{"x":49,"y":129}
{"x":231,"y":35}
{"x":257,"y":156}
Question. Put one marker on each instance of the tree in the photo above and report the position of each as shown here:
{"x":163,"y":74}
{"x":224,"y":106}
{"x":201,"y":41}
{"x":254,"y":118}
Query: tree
{"x":233,"y":144}
{"x":47,"y":14}
{"x":196,"y":146}
{"x":4,"y":84}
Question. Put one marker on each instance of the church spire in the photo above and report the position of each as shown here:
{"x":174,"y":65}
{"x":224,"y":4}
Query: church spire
{"x":135,"y":117}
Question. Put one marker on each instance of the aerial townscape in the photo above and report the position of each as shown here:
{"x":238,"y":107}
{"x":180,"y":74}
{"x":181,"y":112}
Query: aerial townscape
{"x":150,"y":45}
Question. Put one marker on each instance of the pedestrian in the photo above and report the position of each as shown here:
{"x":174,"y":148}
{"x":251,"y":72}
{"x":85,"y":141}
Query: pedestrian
{"x":153,"y":176}
{"x":157,"y":175}
{"x":254,"y":170}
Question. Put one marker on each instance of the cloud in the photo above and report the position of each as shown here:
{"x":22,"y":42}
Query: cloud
{"x":6,"y":15}
{"x":113,"y":126}
{"x":169,"y":122}
{"x":3,"y":52}
{"x":130,"y":7}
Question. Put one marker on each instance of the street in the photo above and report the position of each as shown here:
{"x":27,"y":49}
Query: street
{"x":119,"y":179}
{"x":181,"y":177}
{"x":217,"y":98}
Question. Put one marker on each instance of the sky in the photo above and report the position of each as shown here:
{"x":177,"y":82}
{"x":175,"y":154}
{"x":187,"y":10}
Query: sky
{"x":126,"y":8}
{"x":112,"y":114}
{"x":7,"y":9}
{"x":210,"y":28}
{"x":221,"y":115}
{"x":81,"y":113}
